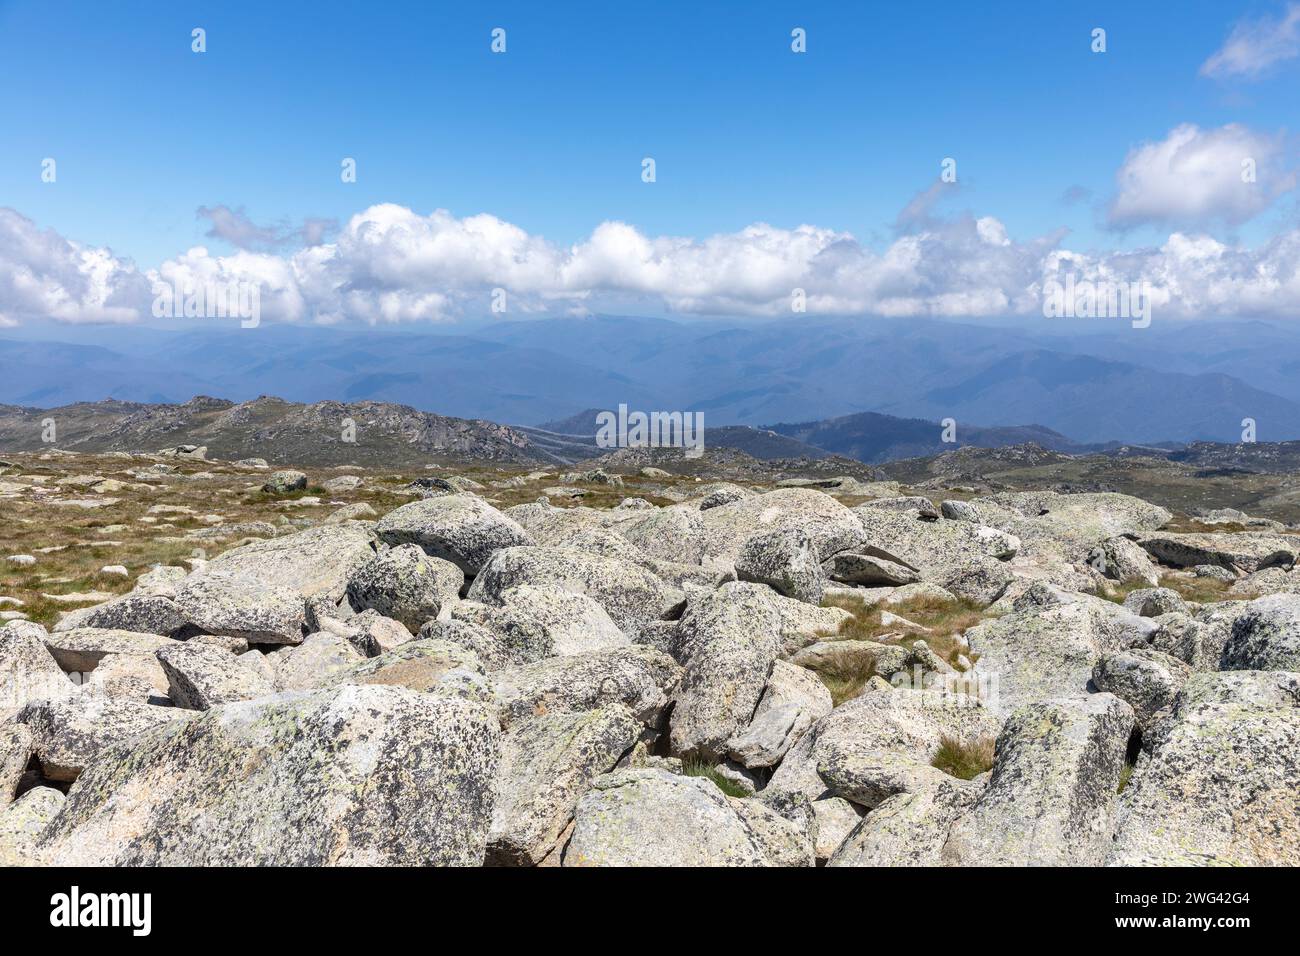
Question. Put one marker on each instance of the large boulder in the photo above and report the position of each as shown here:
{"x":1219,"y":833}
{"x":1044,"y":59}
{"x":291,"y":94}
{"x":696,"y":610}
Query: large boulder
{"x":142,"y":613}
{"x":942,"y":552}
{"x":1052,"y":796}
{"x":419,"y":665}
{"x":793,"y":700}
{"x":284,"y":482}
{"x":1266,"y":637}
{"x":1121,"y":560}
{"x":668,"y":534}
{"x":652,"y":817}
{"x":870,"y":570}
{"x":201,"y":676}
{"x":82,"y":649}
{"x":1247,"y":551}
{"x":880,"y":744}
{"x":786,"y":560}
{"x":68,"y":734}
{"x":537,"y":622}
{"x":353,"y":775}
{"x":315,"y":662}
{"x":1221,"y":785}
{"x":631,"y":595}
{"x":28,"y":671}
{"x":831,"y":526}
{"x":727,"y":640}
{"x":637,"y":677}
{"x":547,"y":764}
{"x":909,"y":829}
{"x":269,"y":592}
{"x":459,"y":528}
{"x":1145,"y":679}
{"x":15,"y":754}
{"x":1044,"y":652}
{"x":23,"y":822}
{"x":405,"y":584}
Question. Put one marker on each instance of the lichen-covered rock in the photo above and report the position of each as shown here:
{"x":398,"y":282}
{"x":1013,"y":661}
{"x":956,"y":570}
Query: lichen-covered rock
{"x":669,"y":534}
{"x":539,"y":622}
{"x":727,"y":640}
{"x":483,"y":643}
{"x":783,"y":842}
{"x":200,"y":676}
{"x":1120,"y":559}
{"x":353,"y":775}
{"x":133,"y":676}
{"x":1222,"y":783}
{"x":28,"y":671}
{"x":82,"y":649}
{"x":418,"y":665}
{"x":283,"y":482}
{"x":831,"y":526}
{"x":68,"y":734}
{"x":547,"y":763}
{"x":368,"y":631}
{"x":143,"y":613}
{"x":1051,"y":798}
{"x":1152,"y":602}
{"x":23,"y":822}
{"x":834,"y":818}
{"x":785,"y":559}
{"x":265,"y":591}
{"x":459,"y":528}
{"x":1145,"y":679}
{"x":909,"y":829}
{"x":1246,"y":551}
{"x":405,"y":584}
{"x":652,"y":817}
{"x":636,"y":676}
{"x":793,"y":700}
{"x":870,"y":570}
{"x":879,"y":744}
{"x":315,"y":662}
{"x":1266,"y":637}
{"x":631,"y":595}
{"x":1197,"y":642}
{"x":1047,"y":652}
{"x":15,"y":753}
{"x":943,"y":552}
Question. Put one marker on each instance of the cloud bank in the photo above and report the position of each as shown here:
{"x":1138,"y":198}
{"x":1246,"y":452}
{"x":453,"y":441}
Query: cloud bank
{"x":391,"y":264}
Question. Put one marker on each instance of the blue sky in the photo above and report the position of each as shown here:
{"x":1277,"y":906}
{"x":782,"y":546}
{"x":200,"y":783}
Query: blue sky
{"x":550,"y":136}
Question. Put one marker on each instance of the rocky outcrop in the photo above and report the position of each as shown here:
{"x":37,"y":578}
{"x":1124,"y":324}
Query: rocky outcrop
{"x":356,"y":775}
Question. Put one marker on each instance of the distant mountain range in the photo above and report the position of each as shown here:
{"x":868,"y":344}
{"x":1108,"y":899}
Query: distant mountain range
{"x":380,"y":434}
{"x":1086,"y":384}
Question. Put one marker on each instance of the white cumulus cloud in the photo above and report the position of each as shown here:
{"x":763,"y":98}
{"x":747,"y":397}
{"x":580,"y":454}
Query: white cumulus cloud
{"x":390,"y":264}
{"x":1198,"y":177}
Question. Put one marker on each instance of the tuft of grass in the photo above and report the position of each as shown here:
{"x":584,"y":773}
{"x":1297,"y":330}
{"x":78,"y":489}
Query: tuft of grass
{"x":1188,"y":587}
{"x":846,"y":681}
{"x":945,"y":620}
{"x":962,"y":759}
{"x":1125,"y":775}
{"x":694,"y":767}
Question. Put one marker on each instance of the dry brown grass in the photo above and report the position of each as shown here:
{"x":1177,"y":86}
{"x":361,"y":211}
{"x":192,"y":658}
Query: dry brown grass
{"x":944,"y":621}
{"x":964,"y":759}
